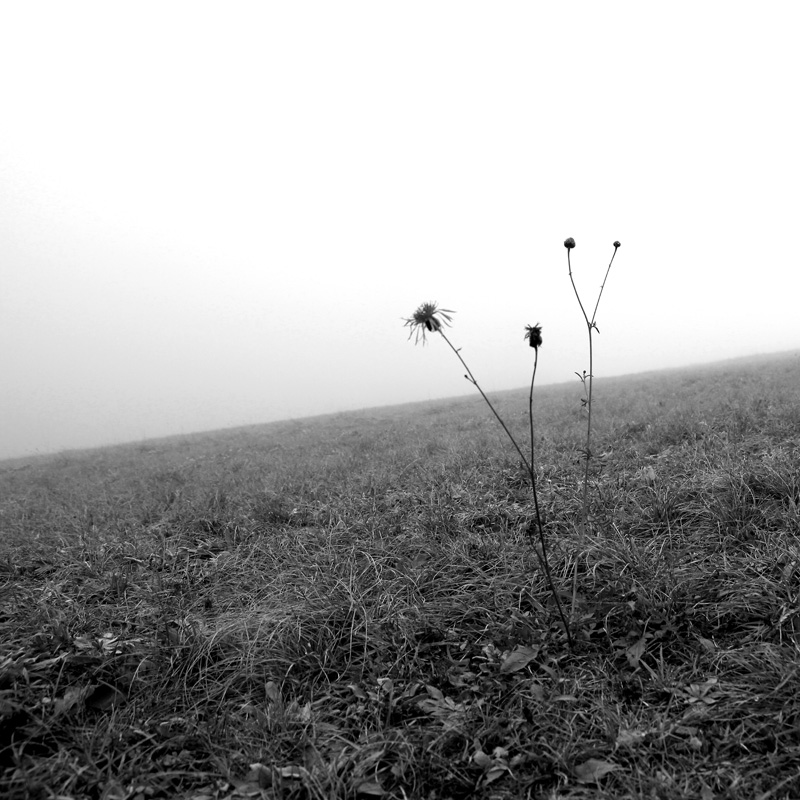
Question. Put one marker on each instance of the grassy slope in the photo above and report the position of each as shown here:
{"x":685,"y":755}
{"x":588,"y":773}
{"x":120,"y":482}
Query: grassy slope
{"x":348,"y":606}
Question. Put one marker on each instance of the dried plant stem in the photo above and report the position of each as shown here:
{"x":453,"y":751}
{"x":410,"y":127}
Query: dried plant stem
{"x":544,"y":559}
{"x":541,"y":551}
{"x":591,"y":326}
{"x":530,"y":413}
{"x":585,"y":525}
{"x":471,"y":378}
{"x":587,"y":453}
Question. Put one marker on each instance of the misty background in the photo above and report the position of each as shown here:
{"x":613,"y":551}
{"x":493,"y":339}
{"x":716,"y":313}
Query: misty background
{"x":218,"y":214}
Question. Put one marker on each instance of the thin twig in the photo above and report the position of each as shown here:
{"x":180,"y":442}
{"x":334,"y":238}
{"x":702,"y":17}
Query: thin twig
{"x":541,"y":557}
{"x":471,"y":378}
{"x":590,"y":326}
{"x":545,"y":561}
{"x":585,"y":516}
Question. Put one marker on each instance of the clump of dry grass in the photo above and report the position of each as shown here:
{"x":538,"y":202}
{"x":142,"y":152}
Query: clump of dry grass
{"x":238,"y":617}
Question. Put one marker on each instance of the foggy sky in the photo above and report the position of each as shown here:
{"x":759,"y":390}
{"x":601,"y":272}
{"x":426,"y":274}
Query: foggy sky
{"x":218,"y":214}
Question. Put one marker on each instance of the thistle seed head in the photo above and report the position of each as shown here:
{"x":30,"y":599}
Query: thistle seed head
{"x":533,"y":333}
{"x":427,"y":318}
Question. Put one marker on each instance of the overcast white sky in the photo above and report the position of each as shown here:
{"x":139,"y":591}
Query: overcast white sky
{"x":215,"y":214}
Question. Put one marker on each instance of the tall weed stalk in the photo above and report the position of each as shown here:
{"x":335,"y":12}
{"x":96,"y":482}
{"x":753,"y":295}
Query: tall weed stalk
{"x":429,"y":318}
{"x":587,"y":381}
{"x":591,"y":326}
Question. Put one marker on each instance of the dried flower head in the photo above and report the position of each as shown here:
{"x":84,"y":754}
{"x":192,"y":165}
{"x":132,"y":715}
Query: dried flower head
{"x":569,"y":243}
{"x":533,"y":333}
{"x":428,"y":318}
{"x":616,"y":244}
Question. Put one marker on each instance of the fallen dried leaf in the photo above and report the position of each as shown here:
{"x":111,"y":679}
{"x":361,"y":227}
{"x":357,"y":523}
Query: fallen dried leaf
{"x":593,"y":769}
{"x":371,"y":788}
{"x":520,"y":658}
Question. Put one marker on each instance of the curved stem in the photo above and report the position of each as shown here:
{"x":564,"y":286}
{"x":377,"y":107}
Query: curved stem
{"x":541,"y":557}
{"x":543,"y":560}
{"x":533,"y":462}
{"x":575,"y":289}
{"x":588,"y":453}
{"x":530,"y":404}
{"x":603,"y":285}
{"x":471,"y":378}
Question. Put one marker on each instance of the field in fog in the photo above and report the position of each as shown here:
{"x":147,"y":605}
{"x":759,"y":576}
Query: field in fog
{"x":348,"y":606}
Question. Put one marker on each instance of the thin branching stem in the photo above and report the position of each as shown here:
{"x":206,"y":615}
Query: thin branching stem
{"x":530,"y":406}
{"x":603,"y":285}
{"x":540,"y":555}
{"x":575,"y":288}
{"x":471,"y":378}
{"x":591,"y":325}
{"x":588,"y":441}
{"x":544,"y":560}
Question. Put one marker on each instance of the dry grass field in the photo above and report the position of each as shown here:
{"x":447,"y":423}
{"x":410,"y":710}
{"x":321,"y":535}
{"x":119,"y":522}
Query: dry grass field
{"x":349,"y":607}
